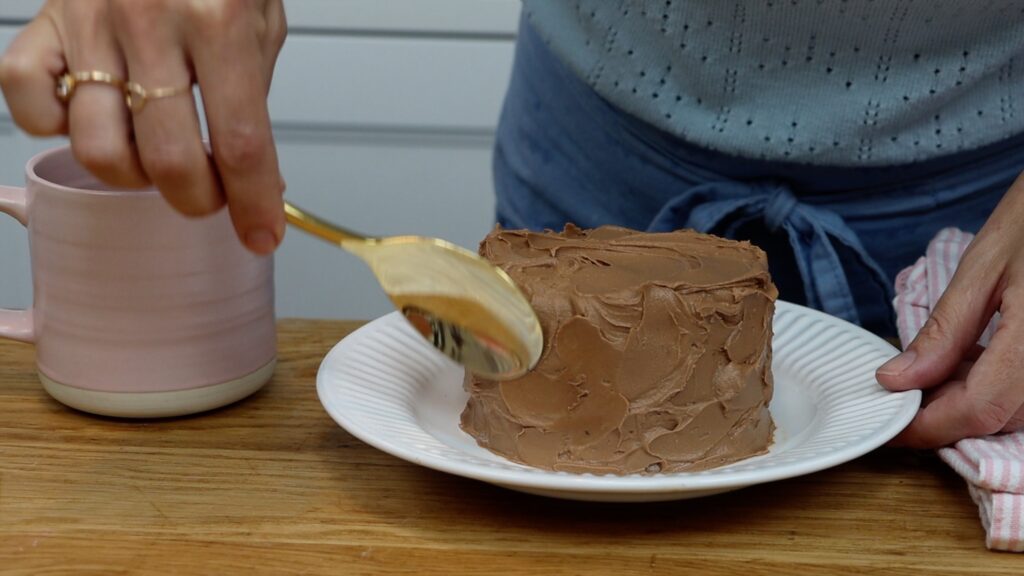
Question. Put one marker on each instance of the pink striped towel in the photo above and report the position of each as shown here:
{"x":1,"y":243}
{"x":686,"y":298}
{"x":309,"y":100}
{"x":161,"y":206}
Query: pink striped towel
{"x":993,"y":465}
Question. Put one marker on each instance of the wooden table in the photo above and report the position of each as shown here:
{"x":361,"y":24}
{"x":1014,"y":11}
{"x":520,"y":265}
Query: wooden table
{"x":272,"y":485}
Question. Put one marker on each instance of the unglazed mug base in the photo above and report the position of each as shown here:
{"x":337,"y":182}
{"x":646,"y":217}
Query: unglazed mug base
{"x":159,"y":404}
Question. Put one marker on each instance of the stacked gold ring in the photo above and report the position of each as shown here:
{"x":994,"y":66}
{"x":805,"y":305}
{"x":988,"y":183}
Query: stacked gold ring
{"x":69,"y":81}
{"x":135,"y":96}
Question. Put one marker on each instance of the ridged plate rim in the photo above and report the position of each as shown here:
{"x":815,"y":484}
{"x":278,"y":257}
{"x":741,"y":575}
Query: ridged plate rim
{"x":373,"y":384}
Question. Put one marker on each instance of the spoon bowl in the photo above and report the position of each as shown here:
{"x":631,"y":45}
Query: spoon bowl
{"x":465,"y":306}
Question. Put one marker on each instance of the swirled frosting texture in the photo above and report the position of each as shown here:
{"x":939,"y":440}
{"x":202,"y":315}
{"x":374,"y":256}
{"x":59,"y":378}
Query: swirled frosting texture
{"x":657,"y":352}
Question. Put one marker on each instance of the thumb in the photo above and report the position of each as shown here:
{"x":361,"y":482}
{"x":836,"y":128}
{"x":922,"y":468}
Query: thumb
{"x":951,"y":332}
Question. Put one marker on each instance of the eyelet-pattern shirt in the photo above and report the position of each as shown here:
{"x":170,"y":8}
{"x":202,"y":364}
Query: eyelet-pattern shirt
{"x":832,"y":82}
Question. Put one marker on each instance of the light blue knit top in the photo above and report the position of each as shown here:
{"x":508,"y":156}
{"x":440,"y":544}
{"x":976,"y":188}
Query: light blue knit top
{"x":839,"y":82}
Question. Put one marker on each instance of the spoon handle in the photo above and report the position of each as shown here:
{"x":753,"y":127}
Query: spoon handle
{"x":319,"y":227}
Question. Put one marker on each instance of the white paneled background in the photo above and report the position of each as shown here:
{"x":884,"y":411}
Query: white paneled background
{"x":384,"y":113}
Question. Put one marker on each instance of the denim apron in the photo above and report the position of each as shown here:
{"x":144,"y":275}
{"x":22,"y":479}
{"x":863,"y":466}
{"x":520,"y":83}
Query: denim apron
{"x":835,"y":236}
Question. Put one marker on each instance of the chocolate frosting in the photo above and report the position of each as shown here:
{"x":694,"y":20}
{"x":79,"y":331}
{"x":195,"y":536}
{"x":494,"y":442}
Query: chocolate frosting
{"x":656,"y":354}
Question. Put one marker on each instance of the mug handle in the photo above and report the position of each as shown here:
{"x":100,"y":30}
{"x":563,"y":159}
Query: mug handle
{"x":16,"y":324}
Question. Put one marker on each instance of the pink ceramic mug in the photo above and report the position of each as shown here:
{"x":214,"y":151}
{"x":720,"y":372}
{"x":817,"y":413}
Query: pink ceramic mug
{"x":138,"y":311}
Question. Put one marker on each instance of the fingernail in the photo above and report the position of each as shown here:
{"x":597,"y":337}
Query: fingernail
{"x":897,"y":365}
{"x":261,"y":241}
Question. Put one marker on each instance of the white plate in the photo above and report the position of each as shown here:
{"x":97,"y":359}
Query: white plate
{"x":389,"y":388}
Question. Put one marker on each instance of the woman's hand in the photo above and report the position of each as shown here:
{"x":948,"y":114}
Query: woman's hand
{"x":970,"y":390}
{"x":229,"y":47}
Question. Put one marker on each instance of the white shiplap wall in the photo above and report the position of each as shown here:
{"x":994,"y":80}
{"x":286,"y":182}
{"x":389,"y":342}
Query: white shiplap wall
{"x":384,"y":112}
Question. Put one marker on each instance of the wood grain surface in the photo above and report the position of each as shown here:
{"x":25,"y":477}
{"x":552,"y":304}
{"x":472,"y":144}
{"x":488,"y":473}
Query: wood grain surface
{"x":271,"y":485}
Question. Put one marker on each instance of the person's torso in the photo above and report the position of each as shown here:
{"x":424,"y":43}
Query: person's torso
{"x":837,"y":82}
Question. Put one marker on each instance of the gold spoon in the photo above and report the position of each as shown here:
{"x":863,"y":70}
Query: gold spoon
{"x":465,"y":306}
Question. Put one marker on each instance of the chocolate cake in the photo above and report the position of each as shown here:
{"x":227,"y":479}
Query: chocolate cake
{"x":657,"y":353}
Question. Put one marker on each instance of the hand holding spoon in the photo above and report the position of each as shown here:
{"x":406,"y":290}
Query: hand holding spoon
{"x":465,"y":306}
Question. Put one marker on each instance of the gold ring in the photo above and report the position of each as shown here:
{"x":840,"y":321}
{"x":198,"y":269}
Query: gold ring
{"x":135,"y":96}
{"x":68,"y":81}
